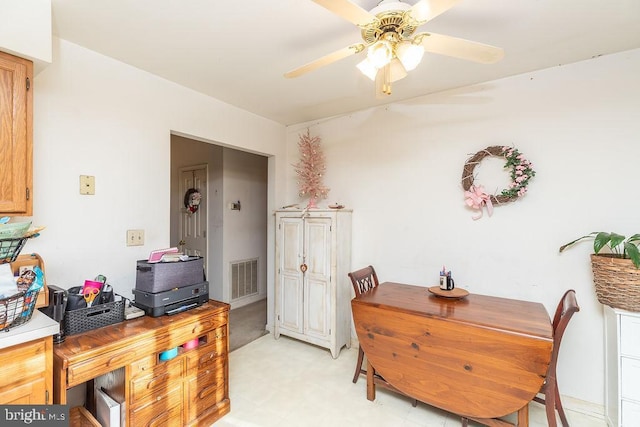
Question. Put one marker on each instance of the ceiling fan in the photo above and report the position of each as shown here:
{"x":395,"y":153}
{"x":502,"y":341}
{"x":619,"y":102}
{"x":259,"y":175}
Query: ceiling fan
{"x":392,"y":44}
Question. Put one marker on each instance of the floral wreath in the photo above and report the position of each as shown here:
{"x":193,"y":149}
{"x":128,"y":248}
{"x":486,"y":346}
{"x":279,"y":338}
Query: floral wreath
{"x":192,"y":200}
{"x":521,"y":172}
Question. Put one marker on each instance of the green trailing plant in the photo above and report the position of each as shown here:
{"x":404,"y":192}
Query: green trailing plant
{"x":619,"y":245}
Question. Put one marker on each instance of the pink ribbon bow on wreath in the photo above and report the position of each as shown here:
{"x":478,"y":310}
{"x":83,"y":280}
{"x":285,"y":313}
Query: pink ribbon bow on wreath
{"x":476,"y":198}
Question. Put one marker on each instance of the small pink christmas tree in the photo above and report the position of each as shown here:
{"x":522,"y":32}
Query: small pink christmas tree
{"x":310,"y":169}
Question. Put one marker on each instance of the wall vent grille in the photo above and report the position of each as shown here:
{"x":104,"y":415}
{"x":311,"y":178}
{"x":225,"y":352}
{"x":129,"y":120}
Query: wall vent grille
{"x":244,"y":278}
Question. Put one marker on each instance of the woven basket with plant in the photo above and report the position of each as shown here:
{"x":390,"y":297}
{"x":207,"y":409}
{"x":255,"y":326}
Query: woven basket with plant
{"x":616,"y":275}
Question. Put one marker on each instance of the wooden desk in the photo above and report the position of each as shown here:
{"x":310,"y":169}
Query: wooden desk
{"x":480,"y":357}
{"x":191,"y":389}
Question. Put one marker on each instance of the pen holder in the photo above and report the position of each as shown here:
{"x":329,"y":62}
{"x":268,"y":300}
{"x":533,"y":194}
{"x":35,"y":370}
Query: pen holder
{"x":75,"y":300}
{"x":447,"y":283}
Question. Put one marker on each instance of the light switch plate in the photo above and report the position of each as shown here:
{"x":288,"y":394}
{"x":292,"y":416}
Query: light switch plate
{"x":135,"y":237}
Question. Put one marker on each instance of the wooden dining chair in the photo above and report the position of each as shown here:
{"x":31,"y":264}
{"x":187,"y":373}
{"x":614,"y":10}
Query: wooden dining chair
{"x":363,"y":281}
{"x":567,"y":306}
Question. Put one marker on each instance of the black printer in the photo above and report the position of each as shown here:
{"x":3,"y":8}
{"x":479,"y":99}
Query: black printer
{"x":170,"y":287}
{"x":172,"y":301}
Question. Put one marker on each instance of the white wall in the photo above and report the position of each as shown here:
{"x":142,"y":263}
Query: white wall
{"x":97,"y":116}
{"x":25,"y":29}
{"x":245,"y":180}
{"x":399,"y":167}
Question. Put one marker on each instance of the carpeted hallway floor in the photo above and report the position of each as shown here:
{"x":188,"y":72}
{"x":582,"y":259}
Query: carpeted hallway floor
{"x":247,"y":323}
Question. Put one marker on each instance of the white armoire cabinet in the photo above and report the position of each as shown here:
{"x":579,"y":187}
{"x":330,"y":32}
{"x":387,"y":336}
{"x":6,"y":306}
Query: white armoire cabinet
{"x":312,"y":289}
{"x":622,"y":367}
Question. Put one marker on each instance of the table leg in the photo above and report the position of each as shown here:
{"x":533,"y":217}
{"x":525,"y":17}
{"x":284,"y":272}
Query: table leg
{"x":371,"y":386}
{"x":523,"y":416}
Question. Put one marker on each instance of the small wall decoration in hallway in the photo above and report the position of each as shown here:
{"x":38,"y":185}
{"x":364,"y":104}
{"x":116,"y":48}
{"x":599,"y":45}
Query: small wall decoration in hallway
{"x":192,"y":200}
{"x":521,"y":171}
{"x":310,"y":169}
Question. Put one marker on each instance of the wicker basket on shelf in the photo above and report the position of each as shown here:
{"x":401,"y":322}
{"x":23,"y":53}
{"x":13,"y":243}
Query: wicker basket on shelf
{"x":16,"y":309}
{"x":617,"y":281}
{"x":10,"y":248}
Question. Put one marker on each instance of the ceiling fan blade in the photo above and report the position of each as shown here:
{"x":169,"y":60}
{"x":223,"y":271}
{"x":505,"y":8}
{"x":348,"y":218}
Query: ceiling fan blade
{"x":347,"y":10}
{"x":459,"y":48}
{"x":326,"y":60}
{"x":426,"y":10}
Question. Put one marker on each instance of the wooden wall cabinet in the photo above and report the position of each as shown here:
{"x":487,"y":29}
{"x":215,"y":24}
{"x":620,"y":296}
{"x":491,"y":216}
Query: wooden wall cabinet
{"x":312,"y":289}
{"x":16,"y":135}
{"x":26,"y":373}
{"x":622,"y":367}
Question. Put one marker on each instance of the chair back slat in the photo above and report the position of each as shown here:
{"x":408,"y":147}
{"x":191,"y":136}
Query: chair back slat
{"x":363,"y":280}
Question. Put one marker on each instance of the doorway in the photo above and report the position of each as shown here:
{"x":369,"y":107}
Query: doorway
{"x":233,"y":233}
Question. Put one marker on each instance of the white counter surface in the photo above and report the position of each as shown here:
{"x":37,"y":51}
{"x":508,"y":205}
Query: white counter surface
{"x":39,"y":326}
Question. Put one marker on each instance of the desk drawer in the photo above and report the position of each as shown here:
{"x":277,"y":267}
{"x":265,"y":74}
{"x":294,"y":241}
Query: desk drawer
{"x":160,"y":409}
{"x":206,"y":390}
{"x":143,"y":366}
{"x":159,"y":377}
{"x":182,"y":334}
{"x":206,"y":356}
{"x":101,"y":363}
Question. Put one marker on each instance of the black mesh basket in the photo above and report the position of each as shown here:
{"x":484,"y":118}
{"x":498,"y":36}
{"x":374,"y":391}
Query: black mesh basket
{"x":97,"y":316}
{"x":10,"y":248}
{"x":17,"y":310}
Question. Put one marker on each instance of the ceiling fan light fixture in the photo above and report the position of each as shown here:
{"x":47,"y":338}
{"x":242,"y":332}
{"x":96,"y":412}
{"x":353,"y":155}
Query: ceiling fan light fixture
{"x":386,"y":6}
{"x":393,"y":47}
{"x":421,"y":11}
{"x":368,"y":69}
{"x":380,"y":53}
{"x":396,"y":70}
{"x":409,"y":54}
{"x":392,"y":72}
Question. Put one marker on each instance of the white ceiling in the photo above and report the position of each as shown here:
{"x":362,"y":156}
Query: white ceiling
{"x":238,"y":50}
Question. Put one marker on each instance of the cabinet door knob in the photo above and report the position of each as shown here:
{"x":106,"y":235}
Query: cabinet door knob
{"x":303,"y":268}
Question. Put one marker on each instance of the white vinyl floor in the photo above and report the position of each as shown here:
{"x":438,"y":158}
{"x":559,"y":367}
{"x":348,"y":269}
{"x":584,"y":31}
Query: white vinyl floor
{"x":288,"y":383}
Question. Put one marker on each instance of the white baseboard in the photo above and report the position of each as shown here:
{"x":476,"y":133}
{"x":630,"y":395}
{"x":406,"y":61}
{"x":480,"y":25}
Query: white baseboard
{"x":583,"y":407}
{"x":241,"y":302}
